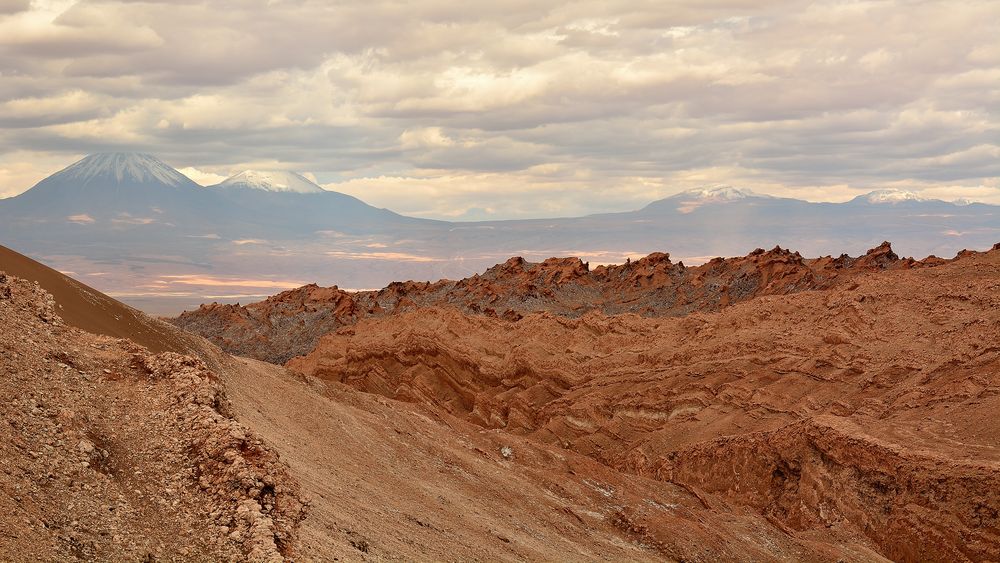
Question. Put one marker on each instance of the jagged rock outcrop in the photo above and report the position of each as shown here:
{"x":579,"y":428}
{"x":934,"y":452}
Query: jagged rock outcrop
{"x":289,"y":324}
{"x":278,"y":328}
{"x":863,"y":411}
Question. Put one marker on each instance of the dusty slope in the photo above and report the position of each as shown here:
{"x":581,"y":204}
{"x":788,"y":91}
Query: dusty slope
{"x":397,"y":482}
{"x":866,"y":410}
{"x":88,"y":309}
{"x":289,"y":324}
{"x":110,"y":453}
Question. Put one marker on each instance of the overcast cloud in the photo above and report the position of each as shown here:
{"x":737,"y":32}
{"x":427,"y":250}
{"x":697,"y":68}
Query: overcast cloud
{"x":517,"y":108}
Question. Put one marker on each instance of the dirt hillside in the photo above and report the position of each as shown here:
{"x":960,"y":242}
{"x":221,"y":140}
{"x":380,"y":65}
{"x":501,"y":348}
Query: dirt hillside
{"x":86,"y":308}
{"x":111,"y":453}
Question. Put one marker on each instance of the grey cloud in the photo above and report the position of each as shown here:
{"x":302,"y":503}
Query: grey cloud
{"x":69,"y":42}
{"x":493,"y":155}
{"x":597,"y":97}
{"x":13,"y":6}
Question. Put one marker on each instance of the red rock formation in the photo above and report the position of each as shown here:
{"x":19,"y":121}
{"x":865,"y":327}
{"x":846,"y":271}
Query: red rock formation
{"x":834,"y":410}
{"x":289,"y":324}
{"x":108,"y":452}
{"x":866,"y":409}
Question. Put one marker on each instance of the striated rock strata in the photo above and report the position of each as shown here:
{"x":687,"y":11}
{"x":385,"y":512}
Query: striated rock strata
{"x":866,"y":410}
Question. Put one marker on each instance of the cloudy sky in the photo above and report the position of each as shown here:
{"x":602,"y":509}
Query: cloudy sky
{"x":520,"y":108}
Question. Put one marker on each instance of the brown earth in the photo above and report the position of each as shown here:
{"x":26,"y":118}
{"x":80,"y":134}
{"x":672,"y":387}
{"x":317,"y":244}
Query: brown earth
{"x":86,"y":308}
{"x":866,"y":410}
{"x":851,"y":422}
{"x":290,"y":324}
{"x":108,"y":452}
{"x":111,"y":453}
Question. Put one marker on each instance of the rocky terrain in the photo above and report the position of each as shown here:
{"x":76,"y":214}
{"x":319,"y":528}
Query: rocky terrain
{"x":290,"y":324}
{"x":862,"y":410}
{"x":765,"y":408}
{"x":109,"y":452}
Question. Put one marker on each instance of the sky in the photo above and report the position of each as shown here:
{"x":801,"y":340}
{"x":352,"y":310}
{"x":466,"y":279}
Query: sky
{"x":514,"y":109}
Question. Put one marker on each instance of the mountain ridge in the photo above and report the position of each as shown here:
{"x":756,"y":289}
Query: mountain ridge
{"x":290,"y":323}
{"x":146,"y":166}
{"x":151,"y":232}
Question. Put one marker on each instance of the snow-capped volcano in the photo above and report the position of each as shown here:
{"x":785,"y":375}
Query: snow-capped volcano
{"x":114,"y":191}
{"x":122,"y":168}
{"x":717,"y":194}
{"x":271,"y":181}
{"x":690,"y":200}
{"x":891,"y":195}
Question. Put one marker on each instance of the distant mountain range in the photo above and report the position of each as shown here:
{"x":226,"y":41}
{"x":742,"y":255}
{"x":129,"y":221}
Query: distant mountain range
{"x":137,"y":228}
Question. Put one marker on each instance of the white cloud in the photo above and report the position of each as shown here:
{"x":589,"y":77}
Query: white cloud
{"x":81,"y":219}
{"x":424,"y":138}
{"x":20,"y":170}
{"x":514,"y":109}
{"x":202,"y":177}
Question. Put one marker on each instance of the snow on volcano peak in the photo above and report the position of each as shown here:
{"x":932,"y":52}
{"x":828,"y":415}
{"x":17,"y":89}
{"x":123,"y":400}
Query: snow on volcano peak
{"x":891,"y":196}
{"x":721,"y":193}
{"x":123,"y":167}
{"x":272,"y":181}
{"x":690,"y":200}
